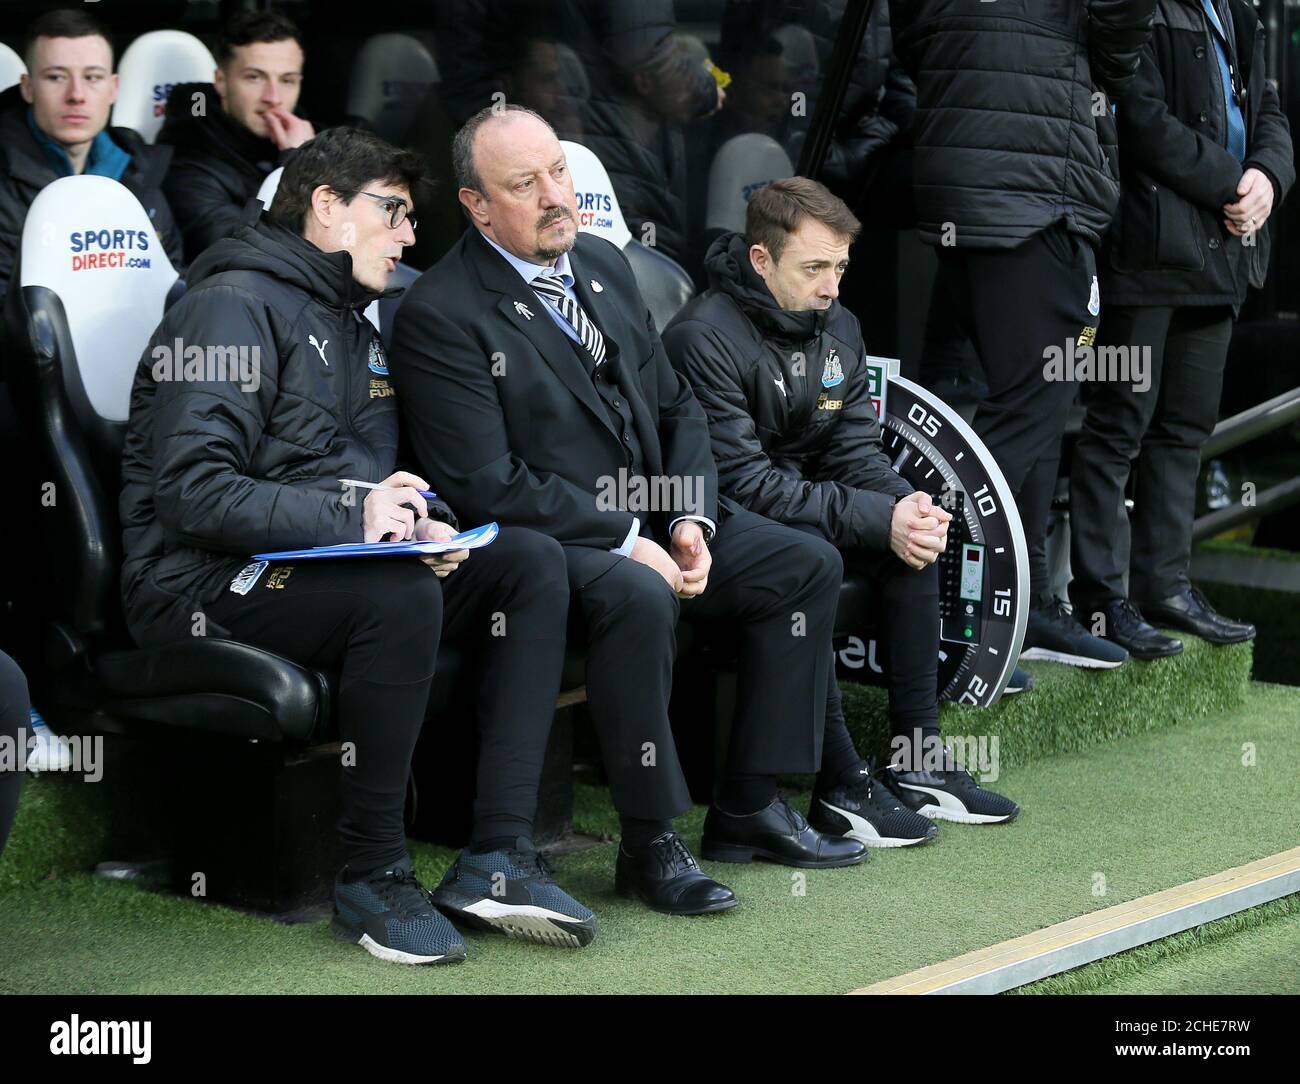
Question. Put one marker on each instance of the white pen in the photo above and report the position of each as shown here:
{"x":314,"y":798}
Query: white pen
{"x":427,"y":494}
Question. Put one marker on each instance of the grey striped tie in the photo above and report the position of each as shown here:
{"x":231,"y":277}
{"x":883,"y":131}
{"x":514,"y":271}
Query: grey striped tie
{"x":551,"y":288}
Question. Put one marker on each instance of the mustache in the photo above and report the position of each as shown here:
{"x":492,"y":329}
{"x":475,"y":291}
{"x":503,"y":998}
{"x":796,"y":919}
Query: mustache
{"x":552,"y":216}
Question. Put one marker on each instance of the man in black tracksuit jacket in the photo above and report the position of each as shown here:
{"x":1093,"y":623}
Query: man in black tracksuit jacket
{"x":26,"y":166}
{"x":1206,"y":156}
{"x":218,"y":166}
{"x":779,"y":367}
{"x":1014,"y":186}
{"x":261,"y":389}
{"x":229,"y":135}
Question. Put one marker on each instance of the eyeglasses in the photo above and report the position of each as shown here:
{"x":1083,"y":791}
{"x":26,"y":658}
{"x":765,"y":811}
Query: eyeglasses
{"x":397,"y":208}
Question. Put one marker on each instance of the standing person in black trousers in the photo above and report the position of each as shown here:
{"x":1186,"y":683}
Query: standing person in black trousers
{"x":15,"y":710}
{"x":1206,"y":155}
{"x":219,"y":466}
{"x":537,"y":390}
{"x":1014,"y":188}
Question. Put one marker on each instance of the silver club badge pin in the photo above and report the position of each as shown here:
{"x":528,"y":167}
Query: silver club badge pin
{"x":596,"y":287}
{"x":523,"y":310}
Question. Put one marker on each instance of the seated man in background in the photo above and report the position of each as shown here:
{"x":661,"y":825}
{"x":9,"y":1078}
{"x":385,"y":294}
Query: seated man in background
{"x":226,"y":148}
{"x":536,"y":390}
{"x":778,"y":365}
{"x":55,"y":124}
{"x":218,"y":466}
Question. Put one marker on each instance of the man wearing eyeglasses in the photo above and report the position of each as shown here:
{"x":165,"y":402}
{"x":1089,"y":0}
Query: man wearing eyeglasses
{"x":218,"y":466}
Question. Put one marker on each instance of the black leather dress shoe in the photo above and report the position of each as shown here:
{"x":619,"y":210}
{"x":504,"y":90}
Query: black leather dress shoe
{"x":1125,"y":626}
{"x":778,"y":833}
{"x":1188,"y":611}
{"x":665,"y":877}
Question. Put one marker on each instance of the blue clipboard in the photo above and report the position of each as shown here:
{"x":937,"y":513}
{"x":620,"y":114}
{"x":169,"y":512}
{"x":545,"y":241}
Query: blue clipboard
{"x":466,"y":540}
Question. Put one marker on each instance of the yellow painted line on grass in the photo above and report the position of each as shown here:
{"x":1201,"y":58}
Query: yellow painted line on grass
{"x":1069,"y":938}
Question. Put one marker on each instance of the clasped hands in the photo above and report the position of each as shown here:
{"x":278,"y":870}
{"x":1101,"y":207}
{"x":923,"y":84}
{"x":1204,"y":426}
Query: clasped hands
{"x":918,"y":531}
{"x":1253,"y":207}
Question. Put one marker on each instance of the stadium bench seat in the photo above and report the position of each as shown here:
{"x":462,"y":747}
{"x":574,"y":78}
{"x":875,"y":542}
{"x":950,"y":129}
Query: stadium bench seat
{"x":151,"y":66}
{"x":76,"y":331}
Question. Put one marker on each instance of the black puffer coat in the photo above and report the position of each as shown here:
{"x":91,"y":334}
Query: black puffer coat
{"x":217,"y":167}
{"x":1169,"y":245}
{"x":1009,"y":136}
{"x":215,"y":470}
{"x":24,"y":171}
{"x":789,"y":407}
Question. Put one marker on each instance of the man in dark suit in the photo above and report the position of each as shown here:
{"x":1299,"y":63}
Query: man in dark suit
{"x":537,"y":393}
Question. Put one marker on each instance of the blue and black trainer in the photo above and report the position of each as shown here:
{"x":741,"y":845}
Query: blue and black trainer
{"x":511,"y":891}
{"x":390,"y":915}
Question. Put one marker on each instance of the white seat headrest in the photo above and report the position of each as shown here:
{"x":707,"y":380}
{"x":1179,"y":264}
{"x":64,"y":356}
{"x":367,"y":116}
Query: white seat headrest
{"x":269,"y":186}
{"x":598,"y":209}
{"x":150,"y":67}
{"x":799,"y":50}
{"x":742,"y":166}
{"x":11,"y":67}
{"x":390,"y":77}
{"x":89,"y":241}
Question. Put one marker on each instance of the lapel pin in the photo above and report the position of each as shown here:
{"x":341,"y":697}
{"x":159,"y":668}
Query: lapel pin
{"x":596,"y":287}
{"x":523,"y":310}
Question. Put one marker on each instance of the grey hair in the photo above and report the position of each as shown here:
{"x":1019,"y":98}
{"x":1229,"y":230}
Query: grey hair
{"x":462,"y":146}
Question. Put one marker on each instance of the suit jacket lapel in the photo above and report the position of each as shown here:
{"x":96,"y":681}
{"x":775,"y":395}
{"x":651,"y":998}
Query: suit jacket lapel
{"x":523,"y":308}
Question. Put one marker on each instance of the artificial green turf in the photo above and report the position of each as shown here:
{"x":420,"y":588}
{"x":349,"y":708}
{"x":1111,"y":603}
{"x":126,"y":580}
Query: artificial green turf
{"x":1071,"y":709}
{"x":1256,"y":951}
{"x":1149,"y":812}
{"x":1261,"y":960}
{"x":1068,"y":710}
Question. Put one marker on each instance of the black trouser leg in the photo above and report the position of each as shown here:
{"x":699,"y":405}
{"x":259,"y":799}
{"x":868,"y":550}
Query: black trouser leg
{"x":509,"y":604}
{"x":839,"y":754}
{"x":630,"y":617}
{"x":1164,"y":505}
{"x":1118,"y":415}
{"x":943,"y":350}
{"x":909,"y":643}
{"x":15,"y":712}
{"x":379,"y":619}
{"x":778,"y":589}
{"x":907,"y":608}
{"x":1019,"y":304}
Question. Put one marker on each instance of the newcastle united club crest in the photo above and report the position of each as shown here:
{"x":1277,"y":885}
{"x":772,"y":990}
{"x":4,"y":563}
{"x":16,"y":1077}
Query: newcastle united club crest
{"x":832,"y":371}
{"x":377,"y":362}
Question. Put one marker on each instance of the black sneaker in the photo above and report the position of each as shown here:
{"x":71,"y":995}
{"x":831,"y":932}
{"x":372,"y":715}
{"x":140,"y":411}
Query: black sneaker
{"x":951,"y":794}
{"x":390,"y":915}
{"x":866,"y":810}
{"x":1020,"y":681}
{"x":512,"y":892}
{"x":1053,"y":634}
